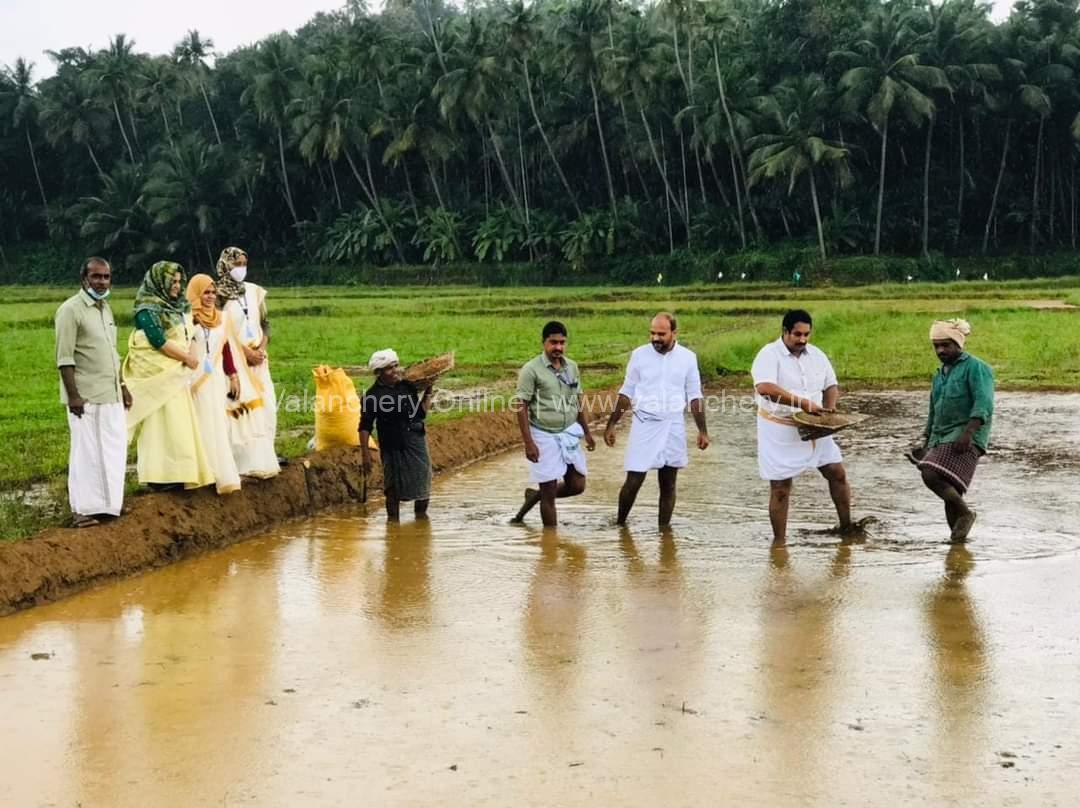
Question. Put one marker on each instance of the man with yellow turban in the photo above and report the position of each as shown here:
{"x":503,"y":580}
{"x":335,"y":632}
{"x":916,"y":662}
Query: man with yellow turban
{"x":958,"y":425}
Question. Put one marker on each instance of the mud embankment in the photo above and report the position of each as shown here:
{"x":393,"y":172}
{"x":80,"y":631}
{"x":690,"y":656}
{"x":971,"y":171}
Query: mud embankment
{"x":160,"y":528}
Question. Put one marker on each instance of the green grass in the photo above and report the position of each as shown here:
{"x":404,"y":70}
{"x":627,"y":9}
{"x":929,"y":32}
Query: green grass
{"x":876,"y":336}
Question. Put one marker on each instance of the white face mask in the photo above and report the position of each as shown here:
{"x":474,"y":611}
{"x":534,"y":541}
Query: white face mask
{"x":238,"y":273}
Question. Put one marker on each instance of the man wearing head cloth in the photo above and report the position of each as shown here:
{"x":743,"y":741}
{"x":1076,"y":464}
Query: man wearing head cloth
{"x":395,"y":410}
{"x":958,"y":426}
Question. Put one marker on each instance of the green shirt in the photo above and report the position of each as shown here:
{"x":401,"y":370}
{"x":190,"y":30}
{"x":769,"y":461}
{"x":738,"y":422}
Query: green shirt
{"x":86,"y":340}
{"x":961,"y":391}
{"x":553,"y":403}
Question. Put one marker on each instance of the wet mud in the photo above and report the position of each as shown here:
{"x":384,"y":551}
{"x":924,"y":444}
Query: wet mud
{"x":161,"y":528}
{"x":342,"y":660}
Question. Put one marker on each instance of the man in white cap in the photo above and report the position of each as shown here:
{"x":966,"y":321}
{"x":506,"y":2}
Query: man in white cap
{"x":395,"y":410}
{"x":957,"y":430}
{"x":662,"y":380}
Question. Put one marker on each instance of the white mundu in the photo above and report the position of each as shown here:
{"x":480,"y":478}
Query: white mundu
{"x":782,"y":454}
{"x":659,"y":386}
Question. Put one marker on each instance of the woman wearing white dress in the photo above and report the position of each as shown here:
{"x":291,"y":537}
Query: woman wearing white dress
{"x":244,"y":307}
{"x":214,"y":381}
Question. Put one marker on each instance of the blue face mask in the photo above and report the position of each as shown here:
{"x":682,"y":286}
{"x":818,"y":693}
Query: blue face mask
{"x":90,"y":291}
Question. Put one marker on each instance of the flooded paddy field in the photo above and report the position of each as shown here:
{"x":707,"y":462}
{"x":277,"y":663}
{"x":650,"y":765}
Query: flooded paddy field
{"x":466,"y":661}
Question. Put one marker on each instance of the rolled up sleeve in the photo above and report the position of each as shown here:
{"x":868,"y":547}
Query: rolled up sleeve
{"x":830,"y":375}
{"x":981,"y":385}
{"x":526,"y":386}
{"x":765,"y":369}
{"x":67,"y":330}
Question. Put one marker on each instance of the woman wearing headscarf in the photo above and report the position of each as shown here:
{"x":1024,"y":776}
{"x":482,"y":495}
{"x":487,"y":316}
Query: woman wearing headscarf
{"x":215,"y":382}
{"x":158,"y":366}
{"x":244,"y":307}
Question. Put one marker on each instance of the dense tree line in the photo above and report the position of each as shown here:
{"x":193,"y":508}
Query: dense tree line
{"x":561,"y":129}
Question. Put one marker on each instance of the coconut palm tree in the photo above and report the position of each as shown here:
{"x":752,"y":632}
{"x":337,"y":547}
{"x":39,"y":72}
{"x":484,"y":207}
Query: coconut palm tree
{"x":885,"y":77}
{"x":114,"y":70}
{"x":798,"y":110}
{"x":20,"y":104}
{"x":191,"y":54}
{"x":70,"y":114}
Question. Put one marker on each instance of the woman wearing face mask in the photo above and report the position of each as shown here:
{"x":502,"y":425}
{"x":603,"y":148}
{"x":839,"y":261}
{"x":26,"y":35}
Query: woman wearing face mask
{"x":215,"y":382}
{"x":157,"y":370}
{"x":244,"y":307}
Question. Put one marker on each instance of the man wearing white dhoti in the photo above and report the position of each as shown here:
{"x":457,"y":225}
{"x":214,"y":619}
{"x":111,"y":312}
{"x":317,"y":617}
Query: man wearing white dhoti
{"x":790,"y":375}
{"x":662,"y":379}
{"x":95,"y":397}
{"x":553,"y":425}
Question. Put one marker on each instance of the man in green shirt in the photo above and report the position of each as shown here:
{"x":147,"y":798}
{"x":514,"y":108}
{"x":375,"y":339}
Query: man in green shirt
{"x":95,"y":397}
{"x":552,"y":424}
{"x":958,"y":426}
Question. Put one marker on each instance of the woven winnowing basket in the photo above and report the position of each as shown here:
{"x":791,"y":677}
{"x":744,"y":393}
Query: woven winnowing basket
{"x":426,"y":372}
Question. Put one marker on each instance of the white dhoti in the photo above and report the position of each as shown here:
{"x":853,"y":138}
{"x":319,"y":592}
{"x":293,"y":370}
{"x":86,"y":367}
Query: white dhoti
{"x":655,"y":443}
{"x":782,"y":454}
{"x":558,"y":451}
{"x":97,"y":460}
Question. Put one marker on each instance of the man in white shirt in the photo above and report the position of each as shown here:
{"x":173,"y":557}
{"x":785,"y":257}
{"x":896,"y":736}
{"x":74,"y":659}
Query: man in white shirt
{"x":662,"y":378}
{"x":790,"y":375}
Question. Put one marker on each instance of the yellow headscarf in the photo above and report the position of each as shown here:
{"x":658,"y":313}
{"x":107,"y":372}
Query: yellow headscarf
{"x":208,"y":316}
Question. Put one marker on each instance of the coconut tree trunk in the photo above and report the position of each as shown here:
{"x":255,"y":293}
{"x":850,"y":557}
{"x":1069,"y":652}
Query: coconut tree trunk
{"x":210,"y":110}
{"x":997,"y":187}
{"x":738,"y":198}
{"x":285,"y":176}
{"x":603,"y":147}
{"x":547,"y":143}
{"x":735,"y":145}
{"x":509,"y":183}
{"x":337,"y":190}
{"x":434,"y":181}
{"x":37,"y":174}
{"x":123,"y":132}
{"x":881,"y":188}
{"x":659,"y":166}
{"x":168,"y":128}
{"x":926,"y":189}
{"x":1035,"y":183}
{"x":817,"y":216}
{"x":373,"y":200}
{"x":94,"y":159}
{"x":960,"y":188}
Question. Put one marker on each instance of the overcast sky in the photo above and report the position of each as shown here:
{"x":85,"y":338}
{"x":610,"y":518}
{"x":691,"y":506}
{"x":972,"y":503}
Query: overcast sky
{"x":30,"y":27}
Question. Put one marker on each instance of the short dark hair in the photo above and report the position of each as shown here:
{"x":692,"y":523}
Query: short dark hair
{"x":554,"y":327}
{"x":797,"y":316}
{"x":91,"y":261}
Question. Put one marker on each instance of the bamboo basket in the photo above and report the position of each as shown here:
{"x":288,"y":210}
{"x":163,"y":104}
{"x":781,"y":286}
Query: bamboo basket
{"x":813,"y":426}
{"x":423,"y":374}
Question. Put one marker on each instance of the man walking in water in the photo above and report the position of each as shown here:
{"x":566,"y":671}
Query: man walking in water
{"x":662,"y":379}
{"x":790,"y":375}
{"x":553,"y":425}
{"x":958,"y":426}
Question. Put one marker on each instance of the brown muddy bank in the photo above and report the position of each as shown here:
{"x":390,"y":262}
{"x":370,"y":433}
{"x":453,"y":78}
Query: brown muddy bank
{"x":161,"y":528}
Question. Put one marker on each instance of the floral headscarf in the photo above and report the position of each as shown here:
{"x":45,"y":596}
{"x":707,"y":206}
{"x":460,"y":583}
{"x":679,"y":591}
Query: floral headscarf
{"x":209,"y":316}
{"x":153,"y":294}
{"x":227,"y":288}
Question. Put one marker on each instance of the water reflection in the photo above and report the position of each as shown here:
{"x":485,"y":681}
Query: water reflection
{"x":798,"y":637}
{"x":405,"y":601}
{"x":553,"y":610}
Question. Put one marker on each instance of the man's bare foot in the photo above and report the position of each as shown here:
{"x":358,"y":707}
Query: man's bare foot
{"x":960,"y":531}
{"x":532,"y":496}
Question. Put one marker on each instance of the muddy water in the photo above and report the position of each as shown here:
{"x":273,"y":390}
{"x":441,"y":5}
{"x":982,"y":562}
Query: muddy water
{"x":342,"y":661}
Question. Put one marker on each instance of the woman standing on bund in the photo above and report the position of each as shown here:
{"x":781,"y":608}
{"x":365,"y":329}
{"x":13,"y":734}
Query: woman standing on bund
{"x":215,"y":381}
{"x":244,"y":307}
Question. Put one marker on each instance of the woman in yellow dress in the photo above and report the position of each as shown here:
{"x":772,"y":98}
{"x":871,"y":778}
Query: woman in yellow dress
{"x":244,"y":307}
{"x":214,"y":384}
{"x":157,"y":369}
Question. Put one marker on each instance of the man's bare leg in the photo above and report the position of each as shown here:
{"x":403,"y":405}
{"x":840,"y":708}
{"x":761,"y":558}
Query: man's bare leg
{"x":420,"y":508}
{"x":393,"y":505}
{"x":840,"y":492}
{"x":667,"y":477}
{"x":779,"y":496}
{"x":628,"y":493}
{"x":572,"y":485}
{"x":964,"y":517}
